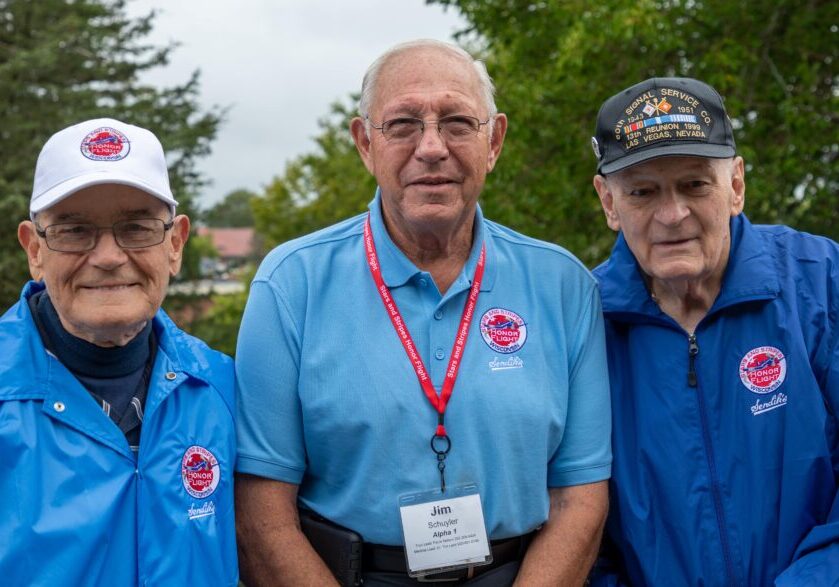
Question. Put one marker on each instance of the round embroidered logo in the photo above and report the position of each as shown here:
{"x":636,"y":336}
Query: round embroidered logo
{"x":200,"y":472}
{"x":503,"y":331}
{"x":763,"y":369}
{"x":105,"y":144}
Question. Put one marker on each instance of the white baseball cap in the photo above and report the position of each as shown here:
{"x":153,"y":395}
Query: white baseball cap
{"x":99,"y":151}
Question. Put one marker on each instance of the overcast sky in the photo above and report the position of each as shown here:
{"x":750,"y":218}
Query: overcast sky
{"x":278,"y":65}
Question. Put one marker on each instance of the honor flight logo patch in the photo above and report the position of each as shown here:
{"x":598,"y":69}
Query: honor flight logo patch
{"x":503,"y":331}
{"x":105,"y":144}
{"x":763,"y":369}
{"x":200,"y":472}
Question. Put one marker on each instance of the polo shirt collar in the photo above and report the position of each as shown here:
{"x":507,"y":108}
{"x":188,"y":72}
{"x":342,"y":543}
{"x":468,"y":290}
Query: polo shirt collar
{"x":397,"y":269}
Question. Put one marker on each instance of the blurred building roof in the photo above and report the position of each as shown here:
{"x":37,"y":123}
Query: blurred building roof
{"x":231,"y":243}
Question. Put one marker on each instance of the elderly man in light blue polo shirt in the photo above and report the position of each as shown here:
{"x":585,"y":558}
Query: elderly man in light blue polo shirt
{"x":419,"y":378}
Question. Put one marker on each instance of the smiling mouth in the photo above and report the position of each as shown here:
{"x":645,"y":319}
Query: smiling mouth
{"x":109,"y":288}
{"x":433,"y":181}
{"x":674,"y":243}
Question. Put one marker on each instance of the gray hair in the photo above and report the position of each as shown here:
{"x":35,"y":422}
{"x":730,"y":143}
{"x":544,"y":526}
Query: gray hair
{"x":368,"y":85}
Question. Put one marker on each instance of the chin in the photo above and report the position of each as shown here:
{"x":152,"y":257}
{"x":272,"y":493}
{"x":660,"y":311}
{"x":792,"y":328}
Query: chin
{"x":114,"y":319}
{"x":678,"y":272}
{"x":433,"y":214}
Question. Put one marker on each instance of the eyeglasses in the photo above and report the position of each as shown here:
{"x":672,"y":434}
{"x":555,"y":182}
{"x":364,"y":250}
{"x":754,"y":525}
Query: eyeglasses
{"x":76,"y":237}
{"x":452,"y":129}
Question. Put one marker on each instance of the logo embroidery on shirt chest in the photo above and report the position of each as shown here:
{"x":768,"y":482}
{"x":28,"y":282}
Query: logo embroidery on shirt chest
{"x":503,"y":331}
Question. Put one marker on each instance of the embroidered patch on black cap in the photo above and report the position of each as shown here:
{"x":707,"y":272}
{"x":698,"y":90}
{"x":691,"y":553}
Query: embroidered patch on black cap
{"x":663,"y":114}
{"x":661,"y":117}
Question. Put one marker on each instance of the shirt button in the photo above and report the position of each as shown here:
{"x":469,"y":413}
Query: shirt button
{"x":170,"y":376}
{"x":439,"y":354}
{"x":423,"y":282}
{"x":438,"y":315}
{"x":59,"y":406}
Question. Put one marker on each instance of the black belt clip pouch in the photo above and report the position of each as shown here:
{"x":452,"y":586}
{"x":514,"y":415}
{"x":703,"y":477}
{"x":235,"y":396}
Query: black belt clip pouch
{"x":339,"y":547}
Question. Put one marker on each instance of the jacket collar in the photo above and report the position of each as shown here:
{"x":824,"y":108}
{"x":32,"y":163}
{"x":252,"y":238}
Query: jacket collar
{"x":24,"y":365}
{"x":750,"y":275}
{"x":397,"y":269}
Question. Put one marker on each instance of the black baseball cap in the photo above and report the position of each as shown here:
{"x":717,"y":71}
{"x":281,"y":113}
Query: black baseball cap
{"x":660,"y":117}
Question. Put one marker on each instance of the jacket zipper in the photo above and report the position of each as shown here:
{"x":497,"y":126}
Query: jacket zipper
{"x":693,"y":351}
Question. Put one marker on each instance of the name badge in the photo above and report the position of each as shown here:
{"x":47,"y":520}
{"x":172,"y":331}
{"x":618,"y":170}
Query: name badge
{"x":444,"y":531}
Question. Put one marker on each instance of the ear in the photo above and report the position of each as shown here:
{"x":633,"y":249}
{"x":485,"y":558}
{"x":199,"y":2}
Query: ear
{"x":32,"y":245}
{"x":607,"y":201}
{"x":738,"y":185}
{"x":496,"y":142}
{"x":358,"y":129}
{"x":177,"y":241}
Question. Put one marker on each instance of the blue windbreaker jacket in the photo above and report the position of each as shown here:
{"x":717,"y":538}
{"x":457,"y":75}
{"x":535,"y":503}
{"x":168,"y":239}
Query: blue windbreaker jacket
{"x":77,"y":507}
{"x":726,"y":451}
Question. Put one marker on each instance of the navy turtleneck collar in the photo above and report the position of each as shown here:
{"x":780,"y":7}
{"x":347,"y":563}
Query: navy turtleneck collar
{"x":83,"y":357}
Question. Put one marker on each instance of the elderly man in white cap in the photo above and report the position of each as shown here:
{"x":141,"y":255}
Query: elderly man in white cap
{"x":116,"y":429}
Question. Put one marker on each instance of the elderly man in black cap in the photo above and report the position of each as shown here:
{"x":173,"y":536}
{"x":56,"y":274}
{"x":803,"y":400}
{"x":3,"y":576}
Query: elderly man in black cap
{"x":723,"y":347}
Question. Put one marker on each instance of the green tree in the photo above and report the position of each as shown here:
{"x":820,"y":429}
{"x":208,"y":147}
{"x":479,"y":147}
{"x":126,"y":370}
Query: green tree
{"x":555,"y":62}
{"x":214,"y":319}
{"x":234,"y":211}
{"x":64,"y":61}
{"x":319,"y":188}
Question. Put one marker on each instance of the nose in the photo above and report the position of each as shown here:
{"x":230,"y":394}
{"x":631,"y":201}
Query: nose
{"x":107,"y":254}
{"x":672,"y":209}
{"x":431,"y":146}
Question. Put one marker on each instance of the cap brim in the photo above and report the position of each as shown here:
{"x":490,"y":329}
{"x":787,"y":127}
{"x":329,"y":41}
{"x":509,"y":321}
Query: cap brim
{"x":683,"y":150}
{"x":67,"y":188}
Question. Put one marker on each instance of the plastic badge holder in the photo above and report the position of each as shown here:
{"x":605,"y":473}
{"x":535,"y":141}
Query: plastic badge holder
{"x":444,"y":531}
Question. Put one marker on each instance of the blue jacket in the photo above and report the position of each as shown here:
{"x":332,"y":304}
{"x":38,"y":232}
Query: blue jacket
{"x":726,"y":449}
{"x":77,"y":507}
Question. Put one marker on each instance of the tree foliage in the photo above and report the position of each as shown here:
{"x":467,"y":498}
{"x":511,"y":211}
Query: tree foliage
{"x":234,"y":211}
{"x":319,"y":188}
{"x":64,"y":61}
{"x":214,"y":319}
{"x":555,"y":62}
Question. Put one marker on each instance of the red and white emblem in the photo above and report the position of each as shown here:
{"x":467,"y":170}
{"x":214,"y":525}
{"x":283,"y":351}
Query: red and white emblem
{"x":504,"y":331}
{"x":763,"y":369}
{"x":105,"y":144}
{"x":200,"y":472}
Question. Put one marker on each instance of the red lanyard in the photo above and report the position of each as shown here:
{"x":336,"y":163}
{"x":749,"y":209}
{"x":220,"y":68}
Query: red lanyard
{"x":438,"y":402}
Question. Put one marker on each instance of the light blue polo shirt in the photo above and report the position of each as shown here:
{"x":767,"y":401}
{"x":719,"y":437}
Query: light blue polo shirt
{"x":329,"y":400}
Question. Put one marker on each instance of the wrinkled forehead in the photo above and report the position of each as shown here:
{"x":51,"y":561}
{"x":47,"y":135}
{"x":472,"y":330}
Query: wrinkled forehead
{"x":105,"y":203}
{"x":426,"y":69}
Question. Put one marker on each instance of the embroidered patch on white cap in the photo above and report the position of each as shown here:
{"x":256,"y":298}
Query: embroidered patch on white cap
{"x":105,"y":144}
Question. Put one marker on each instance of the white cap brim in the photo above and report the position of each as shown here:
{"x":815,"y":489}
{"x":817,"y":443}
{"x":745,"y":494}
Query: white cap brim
{"x":69,"y":187}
